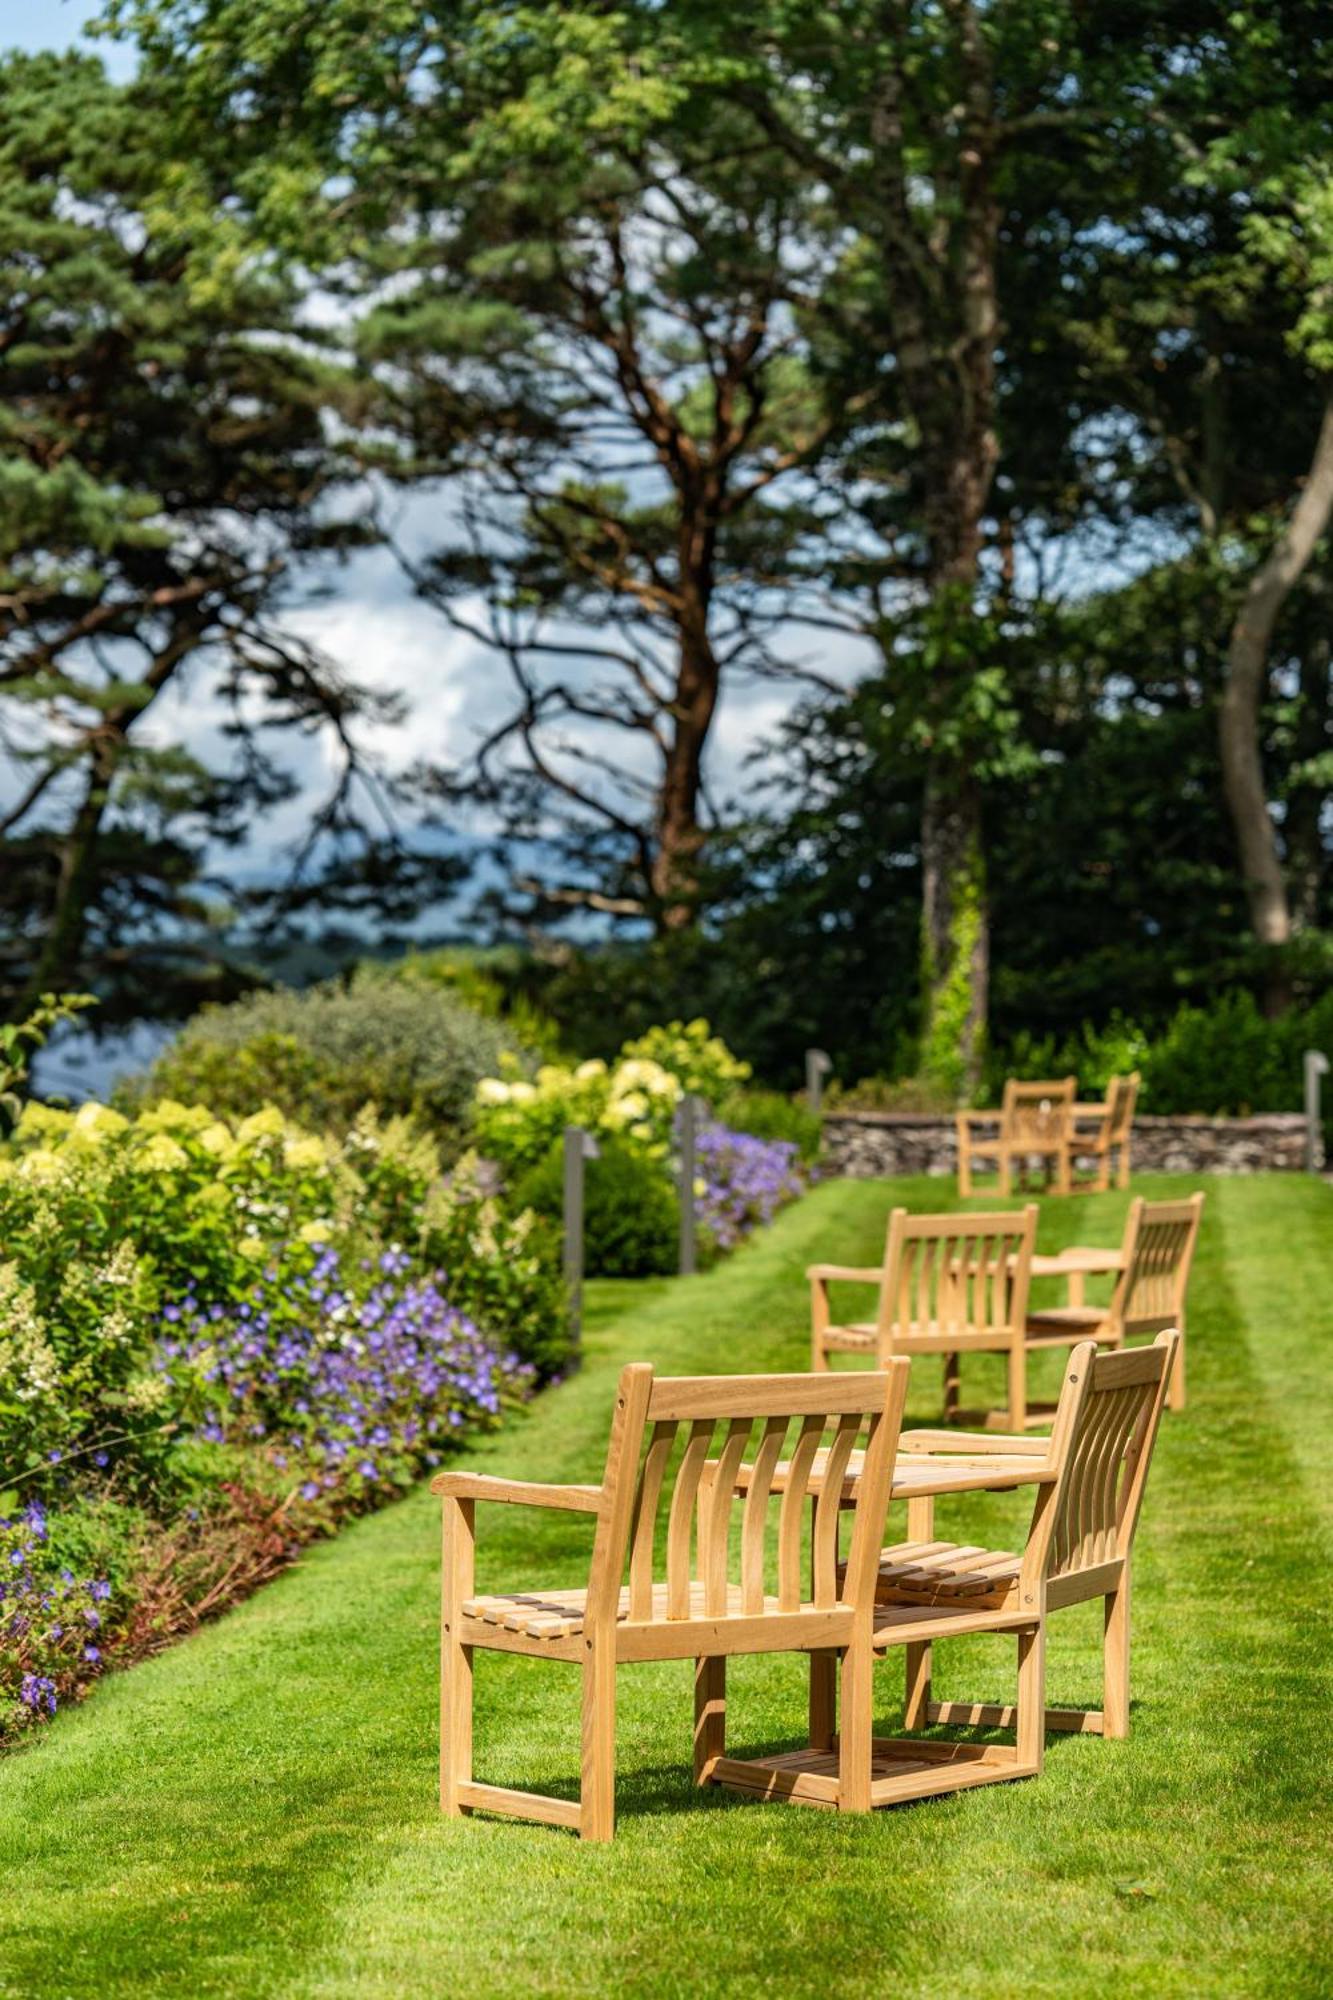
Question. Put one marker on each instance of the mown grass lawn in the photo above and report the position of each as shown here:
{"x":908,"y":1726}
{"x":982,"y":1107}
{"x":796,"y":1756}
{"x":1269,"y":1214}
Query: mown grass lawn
{"x":253,"y":1813}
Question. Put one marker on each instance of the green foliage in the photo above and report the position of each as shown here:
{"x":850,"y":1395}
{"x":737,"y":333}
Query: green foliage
{"x":701,"y":1062}
{"x":413,"y":1049}
{"x":1226,"y":1059}
{"x":767,"y":1114}
{"x":476,"y":979}
{"x":631,"y":1218}
{"x":500,"y":1263}
{"x":20,"y":1040}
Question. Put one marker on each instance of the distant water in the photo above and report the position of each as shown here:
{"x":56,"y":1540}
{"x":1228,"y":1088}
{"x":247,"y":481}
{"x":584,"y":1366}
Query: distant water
{"x":76,"y":1063}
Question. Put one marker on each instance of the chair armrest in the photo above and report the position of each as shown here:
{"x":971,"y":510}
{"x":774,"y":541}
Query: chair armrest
{"x":965,"y":1118}
{"x":1097,"y":1110}
{"x":929,"y":1443}
{"x":517,"y":1492}
{"x":850,"y":1274}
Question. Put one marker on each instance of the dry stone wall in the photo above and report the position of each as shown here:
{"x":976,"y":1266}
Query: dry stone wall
{"x":865,"y":1145}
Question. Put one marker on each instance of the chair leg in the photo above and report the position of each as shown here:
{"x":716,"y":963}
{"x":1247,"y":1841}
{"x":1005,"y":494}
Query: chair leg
{"x":597,"y":1791}
{"x":953,"y":1385}
{"x":823,"y":1698}
{"x":1175,"y":1388}
{"x":1016,"y":1370}
{"x":1115,"y":1657}
{"x":1006,"y":1175}
{"x":458,"y":1572}
{"x":1062,"y":1183}
{"x":918,"y":1685}
{"x":856,"y":1732}
{"x":1122,"y":1177}
{"x":710,"y":1714}
{"x":1030,"y":1721}
{"x":964,"y":1172}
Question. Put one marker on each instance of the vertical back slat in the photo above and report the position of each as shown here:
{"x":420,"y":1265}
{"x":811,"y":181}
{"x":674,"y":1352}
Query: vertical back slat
{"x":828,"y":1510}
{"x":715,"y":1527}
{"x":792,"y":1510}
{"x":754,"y":1524}
{"x":681,"y":1519}
{"x":644,"y":1532}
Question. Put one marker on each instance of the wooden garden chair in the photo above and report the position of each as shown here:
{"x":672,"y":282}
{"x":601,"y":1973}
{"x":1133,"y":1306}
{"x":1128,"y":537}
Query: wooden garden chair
{"x":1115,"y":1124}
{"x":949,"y":1285}
{"x":1035,"y":1121}
{"x":687,"y":1607}
{"x":1150,"y":1287}
{"x":1079,"y":1545}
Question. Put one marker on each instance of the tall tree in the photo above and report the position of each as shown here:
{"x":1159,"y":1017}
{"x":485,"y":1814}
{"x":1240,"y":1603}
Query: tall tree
{"x":593,"y":281}
{"x":162,"y":453}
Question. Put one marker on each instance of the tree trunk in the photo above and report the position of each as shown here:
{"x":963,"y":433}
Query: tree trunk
{"x":675,"y":872}
{"x":1238,"y":716}
{"x":955,"y":933}
{"x":1303,"y":828}
{"x":57,"y":964}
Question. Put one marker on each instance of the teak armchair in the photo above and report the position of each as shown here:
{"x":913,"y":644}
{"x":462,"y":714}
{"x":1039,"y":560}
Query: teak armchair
{"x":1150,"y":1288}
{"x":1115,"y":1116}
{"x":1079,"y":1545}
{"x":694,"y":1610}
{"x":1035,"y":1120}
{"x":949,"y":1285}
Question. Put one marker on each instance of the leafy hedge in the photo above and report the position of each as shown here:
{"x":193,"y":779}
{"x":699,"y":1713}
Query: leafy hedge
{"x":1224,"y":1060}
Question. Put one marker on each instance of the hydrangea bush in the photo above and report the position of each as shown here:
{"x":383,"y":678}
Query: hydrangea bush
{"x":516,"y":1121}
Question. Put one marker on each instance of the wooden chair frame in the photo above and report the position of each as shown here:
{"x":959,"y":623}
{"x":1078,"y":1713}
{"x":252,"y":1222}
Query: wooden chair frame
{"x":949,"y":1285}
{"x":1036,"y":1120}
{"x":1081,"y":1539}
{"x":1115,"y":1116}
{"x":694,"y":1612}
{"x":1151,"y":1287}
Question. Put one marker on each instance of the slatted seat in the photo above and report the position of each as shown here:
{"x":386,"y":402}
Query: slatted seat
{"x":949,"y":1285}
{"x":683,"y":1456}
{"x":559,"y":1614}
{"x":929,"y":1572}
{"x":1035,"y":1121}
{"x":1150,"y":1287}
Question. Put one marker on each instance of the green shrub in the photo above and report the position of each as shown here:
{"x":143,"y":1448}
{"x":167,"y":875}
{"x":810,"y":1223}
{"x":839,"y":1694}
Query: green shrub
{"x":631,"y":1216}
{"x":473,"y":978}
{"x":1227,"y":1059}
{"x":767,"y":1114}
{"x":701,"y":1062}
{"x":319,"y":1056}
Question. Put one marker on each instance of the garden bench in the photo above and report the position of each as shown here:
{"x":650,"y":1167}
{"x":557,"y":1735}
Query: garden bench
{"x":949,"y":1285}
{"x":1152,"y":1270}
{"x":1082,"y":1535}
{"x":1090,"y":1476}
{"x":1115,"y":1124}
{"x":675,"y":1455}
{"x":1035,"y":1120}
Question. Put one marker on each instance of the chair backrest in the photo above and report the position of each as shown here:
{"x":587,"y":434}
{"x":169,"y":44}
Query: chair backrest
{"x":1038,"y":1115}
{"x":680,"y":1448}
{"x":1158,"y":1250}
{"x":1102,"y":1443}
{"x":1121,"y":1096}
{"x":968,"y":1273}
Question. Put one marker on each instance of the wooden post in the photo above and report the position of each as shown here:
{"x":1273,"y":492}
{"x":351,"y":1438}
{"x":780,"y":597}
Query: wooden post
{"x":818,"y":1065}
{"x":1316,"y":1066}
{"x":687,"y":1126}
{"x":580,"y":1146}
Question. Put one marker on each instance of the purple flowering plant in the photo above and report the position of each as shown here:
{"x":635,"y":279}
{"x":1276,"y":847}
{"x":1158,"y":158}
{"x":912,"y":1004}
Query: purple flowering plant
{"x":349,"y":1375}
{"x":743,"y":1181}
{"x":50,"y":1621}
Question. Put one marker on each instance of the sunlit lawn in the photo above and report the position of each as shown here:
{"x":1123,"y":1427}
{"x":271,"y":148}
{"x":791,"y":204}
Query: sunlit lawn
{"x":254,"y":1813}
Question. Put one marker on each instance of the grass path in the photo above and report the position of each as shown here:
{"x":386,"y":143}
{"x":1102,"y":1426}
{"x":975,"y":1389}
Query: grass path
{"x":252,"y":1814}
